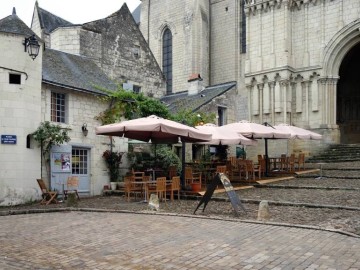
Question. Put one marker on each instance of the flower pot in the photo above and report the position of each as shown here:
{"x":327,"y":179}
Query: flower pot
{"x":196,"y":187}
{"x":113,"y":185}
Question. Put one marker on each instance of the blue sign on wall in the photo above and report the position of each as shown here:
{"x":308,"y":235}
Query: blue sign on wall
{"x":8,"y":139}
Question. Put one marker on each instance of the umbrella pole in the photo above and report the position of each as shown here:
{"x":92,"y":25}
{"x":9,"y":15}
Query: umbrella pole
{"x":266,"y":158}
{"x":183,"y":165}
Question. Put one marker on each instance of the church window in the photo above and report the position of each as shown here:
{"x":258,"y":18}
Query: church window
{"x":14,"y":78}
{"x":243,"y":28}
{"x":58,"y":107}
{"x":167,"y":59}
{"x":221,"y":116}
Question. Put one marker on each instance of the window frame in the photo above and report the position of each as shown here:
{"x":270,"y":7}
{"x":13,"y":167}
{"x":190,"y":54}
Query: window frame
{"x":167,"y":59}
{"x":57,"y":114}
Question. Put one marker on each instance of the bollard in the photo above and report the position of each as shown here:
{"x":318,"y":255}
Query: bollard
{"x":264,"y":212}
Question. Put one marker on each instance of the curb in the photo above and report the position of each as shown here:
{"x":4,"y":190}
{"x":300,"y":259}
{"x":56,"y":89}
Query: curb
{"x":89,"y":210}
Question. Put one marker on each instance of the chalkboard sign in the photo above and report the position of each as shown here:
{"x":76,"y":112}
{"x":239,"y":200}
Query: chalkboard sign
{"x":219,"y":179}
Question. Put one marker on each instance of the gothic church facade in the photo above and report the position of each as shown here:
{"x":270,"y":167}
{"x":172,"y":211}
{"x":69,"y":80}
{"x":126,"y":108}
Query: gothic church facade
{"x":294,"y":61}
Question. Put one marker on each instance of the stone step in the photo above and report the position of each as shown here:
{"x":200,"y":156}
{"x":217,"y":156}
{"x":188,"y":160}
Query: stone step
{"x":338,"y":153}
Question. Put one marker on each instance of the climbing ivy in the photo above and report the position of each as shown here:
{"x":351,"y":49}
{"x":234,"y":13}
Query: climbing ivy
{"x":130,"y":105}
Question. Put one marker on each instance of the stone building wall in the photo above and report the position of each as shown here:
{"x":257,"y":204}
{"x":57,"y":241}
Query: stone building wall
{"x":66,"y":39}
{"x":189,"y":25}
{"x":19,"y":113}
{"x":125,"y":55}
{"x":82,"y":108}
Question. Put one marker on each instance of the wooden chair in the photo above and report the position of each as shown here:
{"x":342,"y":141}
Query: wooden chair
{"x":262,"y":164}
{"x":130,"y":187}
{"x":242,"y":168}
{"x":47,"y":196}
{"x":138,"y":176}
{"x":252,"y":170}
{"x":172,"y":171}
{"x":72,"y":185}
{"x":159,"y":188}
{"x":221,"y":169}
{"x":291,"y":163}
{"x":300,"y":161}
{"x":174,"y":186}
{"x":283,"y":162}
{"x":191,"y":176}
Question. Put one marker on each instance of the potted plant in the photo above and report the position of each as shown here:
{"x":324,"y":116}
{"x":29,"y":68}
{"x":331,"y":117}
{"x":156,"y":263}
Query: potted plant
{"x":113,"y":161}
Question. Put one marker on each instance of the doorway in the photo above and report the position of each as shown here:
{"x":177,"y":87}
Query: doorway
{"x":348,"y":97}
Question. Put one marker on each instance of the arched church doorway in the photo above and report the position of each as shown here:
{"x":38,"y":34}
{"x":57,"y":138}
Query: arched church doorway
{"x":348,"y":97}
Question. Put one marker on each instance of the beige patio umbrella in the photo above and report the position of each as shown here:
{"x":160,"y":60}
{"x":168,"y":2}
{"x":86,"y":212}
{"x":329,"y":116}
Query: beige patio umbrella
{"x":258,"y":131}
{"x":223,"y":136}
{"x":298,"y":133}
{"x":154,"y":128}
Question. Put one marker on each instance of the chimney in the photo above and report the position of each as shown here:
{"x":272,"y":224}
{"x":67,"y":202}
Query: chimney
{"x":195,"y":84}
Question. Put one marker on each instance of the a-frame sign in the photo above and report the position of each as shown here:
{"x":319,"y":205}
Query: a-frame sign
{"x":221,"y":179}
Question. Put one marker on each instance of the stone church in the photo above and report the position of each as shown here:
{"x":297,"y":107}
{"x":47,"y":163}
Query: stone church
{"x":293,"y":61}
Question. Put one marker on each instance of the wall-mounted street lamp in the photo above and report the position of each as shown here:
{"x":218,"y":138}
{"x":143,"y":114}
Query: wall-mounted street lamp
{"x":32,"y":46}
{"x":84,"y":129}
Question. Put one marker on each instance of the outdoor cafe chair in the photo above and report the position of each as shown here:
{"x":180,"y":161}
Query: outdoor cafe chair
{"x":159,"y":188}
{"x":174,"y":186}
{"x":130,"y":187}
{"x":47,"y":195}
{"x":221,"y":169}
{"x":300,"y":161}
{"x":252,"y":170}
{"x":72,"y":185}
{"x":172,"y":171}
{"x":291,"y":163}
{"x":191,"y":176}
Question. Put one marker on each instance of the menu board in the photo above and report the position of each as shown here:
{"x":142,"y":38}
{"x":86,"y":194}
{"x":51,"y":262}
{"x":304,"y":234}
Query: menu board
{"x":221,"y":179}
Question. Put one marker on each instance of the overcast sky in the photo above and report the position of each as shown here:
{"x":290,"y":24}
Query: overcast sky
{"x":74,"y":11}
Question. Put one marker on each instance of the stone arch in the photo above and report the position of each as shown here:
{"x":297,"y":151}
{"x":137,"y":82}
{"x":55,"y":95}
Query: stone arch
{"x":338,"y":47}
{"x":340,"y":87}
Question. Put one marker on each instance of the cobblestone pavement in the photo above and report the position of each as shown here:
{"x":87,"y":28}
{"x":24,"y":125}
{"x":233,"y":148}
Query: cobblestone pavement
{"x":93,"y":240}
{"x":314,"y":225}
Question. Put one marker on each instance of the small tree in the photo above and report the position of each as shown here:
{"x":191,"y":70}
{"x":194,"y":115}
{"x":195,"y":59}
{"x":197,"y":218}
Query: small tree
{"x":113,"y":161}
{"x":47,"y":135}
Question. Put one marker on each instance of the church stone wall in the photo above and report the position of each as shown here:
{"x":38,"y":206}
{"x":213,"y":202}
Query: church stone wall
{"x":225,"y":52}
{"x":188,"y":22}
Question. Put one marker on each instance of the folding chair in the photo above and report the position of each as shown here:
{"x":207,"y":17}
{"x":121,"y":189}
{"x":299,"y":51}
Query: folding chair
{"x":47,"y":196}
{"x":72,"y":185}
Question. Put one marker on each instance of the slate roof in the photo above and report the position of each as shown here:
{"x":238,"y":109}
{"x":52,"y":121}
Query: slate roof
{"x":74,"y":72}
{"x":49,"y":21}
{"x":179,"y":101}
{"x":136,"y":14}
{"x":14,"y":25}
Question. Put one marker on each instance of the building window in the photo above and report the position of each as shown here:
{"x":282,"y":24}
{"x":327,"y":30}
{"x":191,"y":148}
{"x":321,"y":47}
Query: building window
{"x":136,"y":89}
{"x":167,"y":60}
{"x":14,"y":78}
{"x":58,"y":107}
{"x":79,"y":161}
{"x":221,"y":116}
{"x":29,"y":143}
{"x":136,"y":52}
{"x":243,"y":28}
